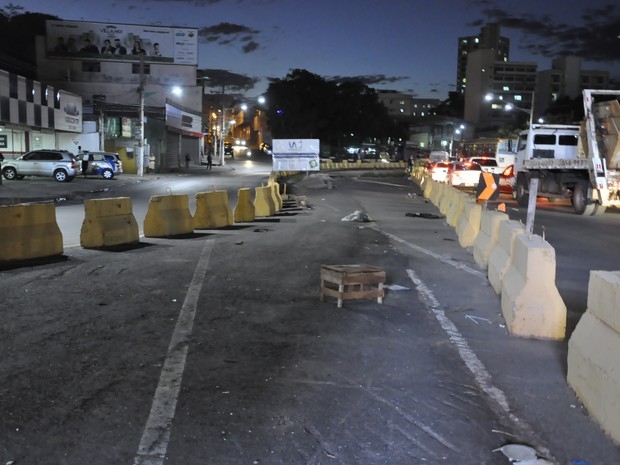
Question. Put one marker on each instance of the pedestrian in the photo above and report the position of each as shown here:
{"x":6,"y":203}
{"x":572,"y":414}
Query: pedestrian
{"x":209,"y":160}
{"x":410,"y":165}
{"x":84,"y":157}
{"x":187,"y":159}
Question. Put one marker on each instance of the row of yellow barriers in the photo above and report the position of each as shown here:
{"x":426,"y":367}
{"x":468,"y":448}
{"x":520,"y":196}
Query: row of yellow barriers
{"x":521,"y":268}
{"x":30,"y":231}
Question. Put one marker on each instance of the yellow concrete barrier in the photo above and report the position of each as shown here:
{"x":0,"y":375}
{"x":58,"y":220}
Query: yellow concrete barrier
{"x":28,"y":232}
{"x":593,"y":352}
{"x":469,"y":223}
{"x":501,"y":255}
{"x":168,"y":215}
{"x":456,"y":207}
{"x":263,"y":202}
{"x":488,"y":236}
{"x":275,"y":195}
{"x":437,"y":193}
{"x":244,"y":210}
{"x":446,"y":199}
{"x":212,"y":210}
{"x":108,"y":222}
{"x":531,"y":304}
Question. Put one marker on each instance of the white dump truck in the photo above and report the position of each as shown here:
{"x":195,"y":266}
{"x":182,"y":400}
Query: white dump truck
{"x":580,"y":162}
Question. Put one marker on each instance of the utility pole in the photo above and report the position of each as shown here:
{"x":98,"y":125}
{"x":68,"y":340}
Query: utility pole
{"x":140,"y":154}
{"x":222,"y":152}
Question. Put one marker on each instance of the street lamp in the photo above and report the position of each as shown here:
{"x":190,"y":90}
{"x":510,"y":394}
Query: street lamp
{"x":455,"y":130}
{"x":509,"y":106}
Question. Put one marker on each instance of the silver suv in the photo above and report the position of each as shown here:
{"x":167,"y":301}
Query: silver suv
{"x":60,"y":164}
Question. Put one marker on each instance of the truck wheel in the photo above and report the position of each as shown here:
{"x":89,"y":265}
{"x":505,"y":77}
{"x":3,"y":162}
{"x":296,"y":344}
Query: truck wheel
{"x":521,"y":194}
{"x":581,"y":200}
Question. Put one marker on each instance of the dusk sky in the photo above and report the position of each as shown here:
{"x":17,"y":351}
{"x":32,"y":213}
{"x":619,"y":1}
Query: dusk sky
{"x":404,"y":45}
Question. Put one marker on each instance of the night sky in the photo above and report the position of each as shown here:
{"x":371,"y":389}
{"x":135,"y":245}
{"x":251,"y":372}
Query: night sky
{"x":404,"y":45}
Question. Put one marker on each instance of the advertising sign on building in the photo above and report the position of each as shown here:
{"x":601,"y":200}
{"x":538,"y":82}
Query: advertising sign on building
{"x":183,"y":122}
{"x":112,"y":41}
{"x":296,"y":154}
{"x":69,"y":116}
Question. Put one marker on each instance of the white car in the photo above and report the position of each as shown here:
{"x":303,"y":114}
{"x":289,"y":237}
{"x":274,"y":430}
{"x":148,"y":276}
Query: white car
{"x":487,"y":164}
{"x":464,"y":174}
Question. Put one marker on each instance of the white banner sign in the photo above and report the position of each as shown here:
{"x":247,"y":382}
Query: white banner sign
{"x":296,"y":154}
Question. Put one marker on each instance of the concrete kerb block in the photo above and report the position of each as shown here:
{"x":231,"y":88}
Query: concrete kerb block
{"x":469,"y":223}
{"x":29,"y":231}
{"x":437,"y":193}
{"x":456,"y":207}
{"x":488,"y":236}
{"x":446,"y":199}
{"x":263,"y":202}
{"x":428,"y":187}
{"x":212,"y":210}
{"x":500,"y":257}
{"x":531,"y":303}
{"x":108,"y":222}
{"x":593,"y":352}
{"x":168,"y":215}
{"x":244,"y":210}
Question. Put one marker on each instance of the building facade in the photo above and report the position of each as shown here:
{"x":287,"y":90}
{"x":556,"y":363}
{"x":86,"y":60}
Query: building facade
{"x":138,"y":87}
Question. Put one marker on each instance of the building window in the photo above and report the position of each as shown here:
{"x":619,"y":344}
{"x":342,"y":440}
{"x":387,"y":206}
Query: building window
{"x":91,"y":66}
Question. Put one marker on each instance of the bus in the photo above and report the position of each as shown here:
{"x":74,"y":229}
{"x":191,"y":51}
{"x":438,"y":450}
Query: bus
{"x":502,"y":149}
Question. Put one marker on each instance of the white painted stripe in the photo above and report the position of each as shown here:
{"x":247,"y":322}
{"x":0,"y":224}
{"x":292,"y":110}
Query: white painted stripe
{"x":447,"y":261}
{"x":473,"y":363}
{"x":154,"y":442}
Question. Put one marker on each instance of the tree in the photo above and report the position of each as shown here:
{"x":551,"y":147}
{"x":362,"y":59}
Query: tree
{"x":305,"y":105}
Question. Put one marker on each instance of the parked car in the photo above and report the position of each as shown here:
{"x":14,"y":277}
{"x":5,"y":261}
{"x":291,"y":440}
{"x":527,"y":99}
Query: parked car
{"x":60,"y":164}
{"x":439,"y":170}
{"x":102,"y":164}
{"x":463,"y":174}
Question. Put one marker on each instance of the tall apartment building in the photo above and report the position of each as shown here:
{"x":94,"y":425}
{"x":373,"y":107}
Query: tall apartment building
{"x":401,"y":104}
{"x":566,"y":78}
{"x":488,"y":39}
{"x":505,"y":82}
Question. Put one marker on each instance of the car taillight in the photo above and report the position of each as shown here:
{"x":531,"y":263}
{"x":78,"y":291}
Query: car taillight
{"x":509,"y":172}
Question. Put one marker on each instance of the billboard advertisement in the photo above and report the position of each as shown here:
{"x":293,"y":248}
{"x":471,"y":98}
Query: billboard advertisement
{"x":106,"y":41}
{"x":296,"y":154}
{"x":69,"y":116}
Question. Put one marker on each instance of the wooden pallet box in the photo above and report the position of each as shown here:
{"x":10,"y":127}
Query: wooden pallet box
{"x":345,"y":282}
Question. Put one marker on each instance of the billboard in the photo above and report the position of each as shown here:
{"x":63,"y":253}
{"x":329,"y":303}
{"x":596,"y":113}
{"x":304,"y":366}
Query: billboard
{"x":296,"y":154}
{"x":69,"y":116}
{"x":106,"y":41}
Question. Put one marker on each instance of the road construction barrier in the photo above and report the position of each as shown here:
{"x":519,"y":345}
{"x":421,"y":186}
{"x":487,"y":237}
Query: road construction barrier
{"x":447,"y":198}
{"x":108,"y":222}
{"x":244,"y":210}
{"x":428,"y":187}
{"x":501,"y":255}
{"x":469,"y":223}
{"x":531,"y":304}
{"x":263,"y":202}
{"x":28,"y":232}
{"x":168,"y":215}
{"x":488,"y":236}
{"x":593,"y":352}
{"x":212,"y":210}
{"x":275,"y":195}
{"x":437,"y":193}
{"x":453,"y":216}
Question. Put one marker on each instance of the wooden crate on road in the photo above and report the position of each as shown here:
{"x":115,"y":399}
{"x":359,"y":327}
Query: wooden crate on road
{"x":345,"y":282}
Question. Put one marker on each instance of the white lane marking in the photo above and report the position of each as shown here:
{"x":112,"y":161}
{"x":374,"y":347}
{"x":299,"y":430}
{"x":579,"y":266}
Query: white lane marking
{"x":447,"y":261}
{"x":473,"y":363}
{"x":154,"y":442}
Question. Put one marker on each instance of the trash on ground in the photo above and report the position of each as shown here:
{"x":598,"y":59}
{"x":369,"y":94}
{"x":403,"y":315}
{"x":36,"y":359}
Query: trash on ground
{"x":395,"y":287}
{"x":428,"y":216}
{"x":518,"y":452}
{"x":357,"y":215}
{"x":261,"y":230}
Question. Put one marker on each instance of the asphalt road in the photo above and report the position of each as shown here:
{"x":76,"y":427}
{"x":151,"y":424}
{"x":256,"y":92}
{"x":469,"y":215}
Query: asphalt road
{"x":216,"y":349}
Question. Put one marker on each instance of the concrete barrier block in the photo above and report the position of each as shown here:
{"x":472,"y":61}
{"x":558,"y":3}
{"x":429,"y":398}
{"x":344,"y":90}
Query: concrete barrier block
{"x":446,"y":199}
{"x":168,"y":215}
{"x":453,"y":215}
{"x":428,"y":187}
{"x":28,"y":232}
{"x":437,"y":193}
{"x":501,"y":255}
{"x":469,"y":223}
{"x":488,"y":236}
{"x":244,"y":210}
{"x":108,"y":222}
{"x":604,"y":297}
{"x":263,"y":202}
{"x":531,"y":303}
{"x":593,"y":370}
{"x":212,"y":210}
